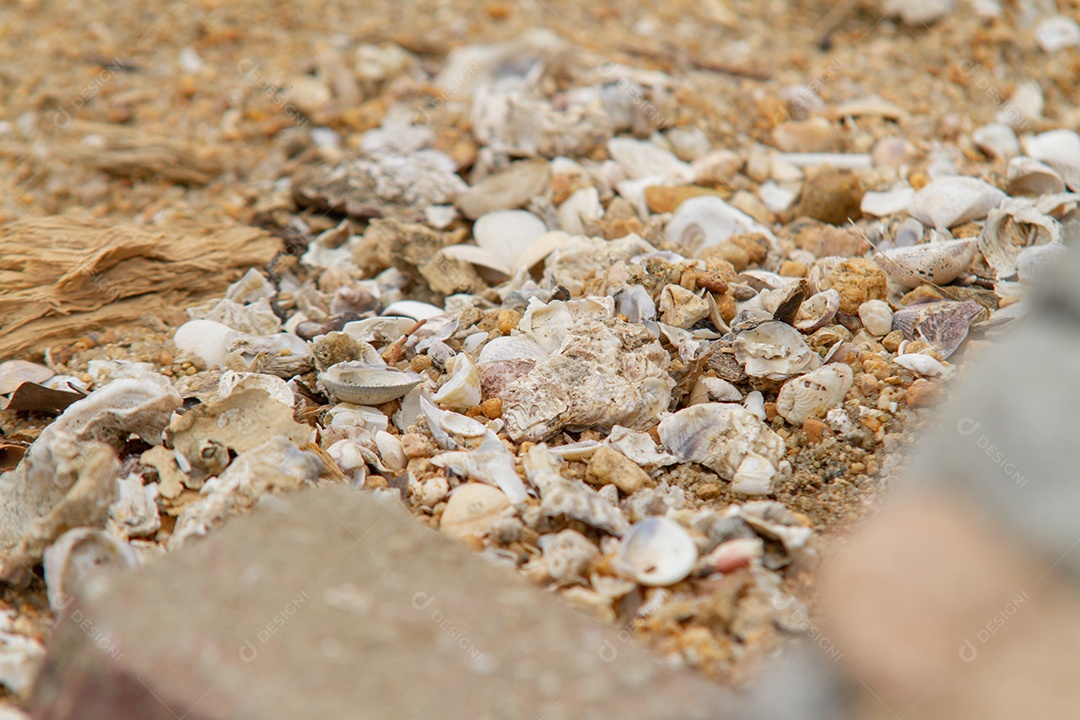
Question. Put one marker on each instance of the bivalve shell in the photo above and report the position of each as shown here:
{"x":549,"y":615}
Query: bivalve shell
{"x":943,"y":324}
{"x":719,"y":436}
{"x":877,"y":317}
{"x":817,"y":310}
{"x":362,"y":384}
{"x":658,"y":552}
{"x":754,"y":476}
{"x":706,"y":220}
{"x":774,"y":350}
{"x":1030,"y":177}
{"x":462,"y":390}
{"x":1011,"y":228}
{"x":938,"y":263}
{"x":814,"y":394}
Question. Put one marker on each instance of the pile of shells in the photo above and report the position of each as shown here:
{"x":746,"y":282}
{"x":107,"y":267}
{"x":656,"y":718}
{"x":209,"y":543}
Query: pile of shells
{"x":573,"y":350}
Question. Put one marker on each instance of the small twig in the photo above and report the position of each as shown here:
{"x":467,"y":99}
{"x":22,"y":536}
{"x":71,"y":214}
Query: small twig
{"x":398,"y":348}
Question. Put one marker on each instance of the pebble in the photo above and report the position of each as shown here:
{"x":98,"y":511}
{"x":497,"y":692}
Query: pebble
{"x":831,"y":196}
{"x":814,"y":429}
{"x":472,"y":510}
{"x":611,"y":467}
{"x":858,"y":280}
{"x":814,"y":135}
{"x":924,"y":393}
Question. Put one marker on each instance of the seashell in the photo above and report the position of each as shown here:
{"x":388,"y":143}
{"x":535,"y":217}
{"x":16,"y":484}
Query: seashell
{"x":1060,"y":149}
{"x":512,"y":347}
{"x":491,"y":266}
{"x":14,"y":373}
{"x":583,"y":203}
{"x":1017,"y":224}
{"x":111,"y":413}
{"x":658,"y":552}
{"x":452,"y":430}
{"x":540,"y":248}
{"x":507,"y":234}
{"x":347,"y":455}
{"x":713,"y":389}
{"x":954,"y":200}
{"x":347,"y":415}
{"x":410,"y":309}
{"x":1057,"y":32}
{"x":361,"y":384}
{"x":136,"y":510}
{"x":462,"y":390}
{"x":508,"y":188}
{"x":718,"y":436}
{"x":282,"y":354}
{"x":546,"y":323}
{"x":390,"y":450}
{"x":567,"y":554}
{"x":944,"y":324}
{"x":472,"y":509}
{"x":636,"y":304}
{"x":889,"y":202}
{"x":754,"y":476}
{"x":997,"y":140}
{"x":814,"y":394}
{"x":378,"y":329}
{"x":754,"y":402}
{"x":1031,"y":177}
{"x":706,"y":220}
{"x":731,"y":555}
{"x":774,"y":350}
{"x":79,"y":563}
{"x":938,"y":263}
{"x":607,"y":372}
{"x":920,"y":364}
{"x":205,"y":339}
{"x":256,"y":318}
{"x":818,"y":310}
{"x":581,"y":257}
{"x":571,"y":499}
{"x":761,"y":280}
{"x":640,"y":159}
{"x":877,"y":317}
{"x":251,"y":288}
{"x":581,"y":450}
{"x":639,"y":448}
{"x":680,"y":307}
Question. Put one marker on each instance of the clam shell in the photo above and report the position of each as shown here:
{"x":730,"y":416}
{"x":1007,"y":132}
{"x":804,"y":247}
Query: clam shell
{"x":706,"y":220}
{"x":360,"y":384}
{"x":953,"y":201}
{"x":658,"y":552}
{"x":507,"y":234}
{"x":411,"y":309}
{"x":774,"y":350}
{"x":943,"y":324}
{"x":817,"y":310}
{"x":920,"y":364}
{"x":452,"y":430}
{"x":938,"y":263}
{"x":1014,"y":226}
{"x":718,"y":436}
{"x":1031,"y":177}
{"x":492,"y":267}
{"x":814,"y":394}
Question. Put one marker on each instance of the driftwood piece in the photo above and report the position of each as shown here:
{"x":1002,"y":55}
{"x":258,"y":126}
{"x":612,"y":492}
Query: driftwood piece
{"x":127,"y":152}
{"x":61,"y":277}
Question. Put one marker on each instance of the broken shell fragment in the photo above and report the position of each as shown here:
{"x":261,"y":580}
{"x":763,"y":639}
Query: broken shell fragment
{"x":718,"y":436}
{"x":818,"y":310}
{"x":1011,"y":228}
{"x":1030,"y":177}
{"x":680,"y":307}
{"x":362,"y":384}
{"x":943,"y":324}
{"x":920,"y":364}
{"x":938,"y":263}
{"x":954,"y":200}
{"x":205,"y":339}
{"x":79,"y":563}
{"x":658,"y":552}
{"x":706,"y":220}
{"x":281,"y":354}
{"x":814,"y":394}
{"x":462,"y":389}
{"x":774,"y":350}
{"x":754,"y":476}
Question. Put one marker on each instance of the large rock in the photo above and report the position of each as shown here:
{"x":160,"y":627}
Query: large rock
{"x":336,"y":605}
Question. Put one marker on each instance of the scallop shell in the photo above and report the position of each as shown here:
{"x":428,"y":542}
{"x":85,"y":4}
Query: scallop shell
{"x":1031,"y":177}
{"x":706,"y":220}
{"x":938,"y":263}
{"x":814,"y":394}
{"x":362,"y":384}
{"x":754,"y":476}
{"x":658,"y":552}
{"x":79,"y":563}
{"x":877,"y":317}
{"x":818,"y":310}
{"x":462,"y":390}
{"x":1014,"y":226}
{"x":718,"y":436}
{"x":943,"y":324}
{"x":774,"y":350}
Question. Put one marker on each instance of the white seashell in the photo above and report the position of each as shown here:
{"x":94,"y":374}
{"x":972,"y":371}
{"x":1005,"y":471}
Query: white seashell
{"x":1027,"y":176}
{"x":777,"y":198}
{"x":920,"y":364}
{"x":713,"y":389}
{"x":508,"y":233}
{"x":641,"y":158}
{"x":567,"y":554}
{"x":491,"y":266}
{"x":938,"y":263}
{"x":571,"y":499}
{"x":658,"y":552}
{"x":584,"y":202}
{"x":347,"y":415}
{"x":412,"y":309}
{"x":512,"y":347}
{"x":680,"y":307}
{"x":754,"y":402}
{"x":79,"y":563}
{"x":546,"y":323}
{"x":818,"y":310}
{"x":1060,"y":149}
{"x":111,"y":413}
{"x":462,"y":390}
{"x":472,"y":509}
{"x":1009,"y":229}
{"x":136,"y":510}
{"x":581,"y":450}
{"x":754,"y":476}
{"x":362,"y":384}
{"x":876,"y":316}
{"x":541,"y":247}
{"x":452,"y":430}
{"x":636,"y":304}
{"x":378,"y":329}
{"x":997,"y":140}
{"x":639,"y":448}
{"x":774,"y":350}
{"x":889,"y":202}
{"x":1056,"y":33}
{"x":282,"y":354}
{"x":205,"y":339}
{"x":390,"y":450}
{"x":703,"y":221}
{"x":953,"y":201}
{"x":814,"y":394}
{"x":718,"y":436}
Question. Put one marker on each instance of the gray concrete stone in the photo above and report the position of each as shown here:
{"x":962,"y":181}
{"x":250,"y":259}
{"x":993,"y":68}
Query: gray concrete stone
{"x":333,"y":604}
